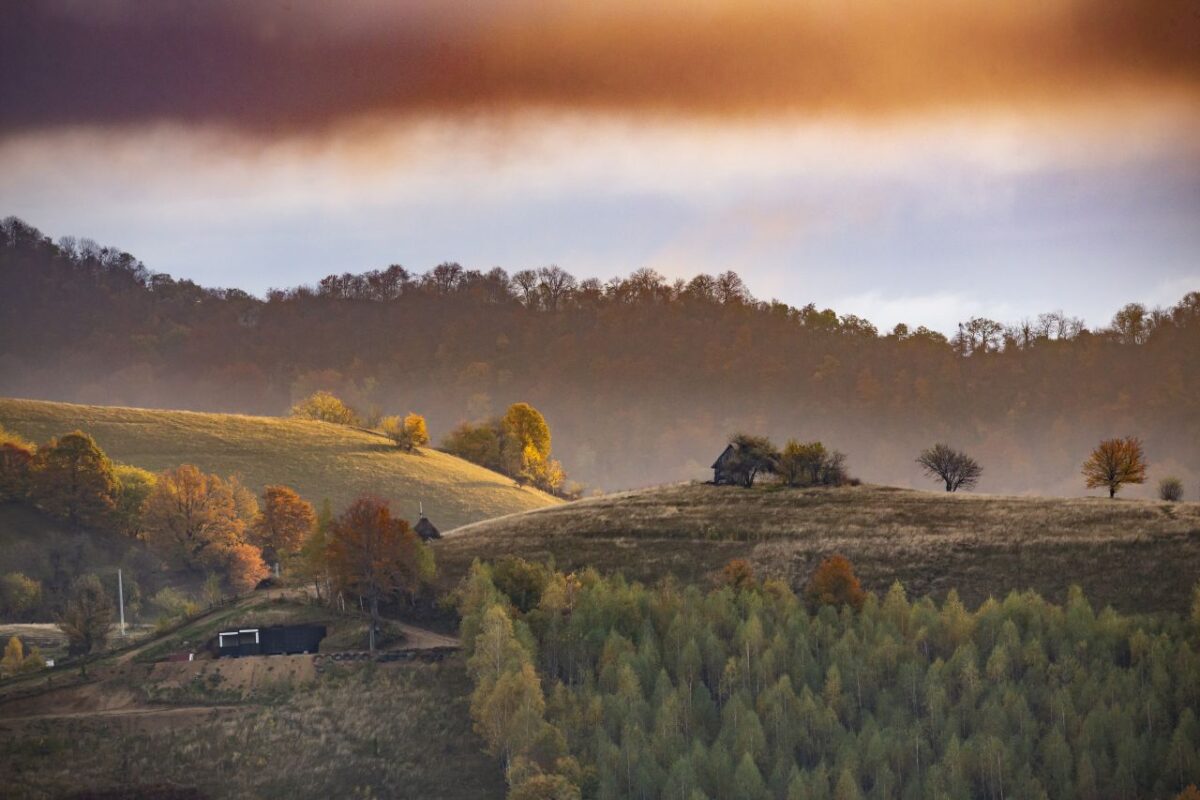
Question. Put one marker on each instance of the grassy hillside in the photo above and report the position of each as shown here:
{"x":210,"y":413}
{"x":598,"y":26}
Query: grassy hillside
{"x":270,"y":726}
{"x":317,"y":459}
{"x":1137,"y":555}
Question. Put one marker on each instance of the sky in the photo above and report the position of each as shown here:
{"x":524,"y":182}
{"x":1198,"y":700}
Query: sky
{"x":921,"y":162}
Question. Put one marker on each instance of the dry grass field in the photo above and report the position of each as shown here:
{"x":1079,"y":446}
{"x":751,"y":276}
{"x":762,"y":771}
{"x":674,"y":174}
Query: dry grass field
{"x":1137,"y":555}
{"x":318,"y":459}
{"x":365,"y":730}
{"x":268,"y":726}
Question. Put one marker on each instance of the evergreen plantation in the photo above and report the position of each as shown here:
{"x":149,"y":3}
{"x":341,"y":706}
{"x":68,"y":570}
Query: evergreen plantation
{"x":595,"y":687}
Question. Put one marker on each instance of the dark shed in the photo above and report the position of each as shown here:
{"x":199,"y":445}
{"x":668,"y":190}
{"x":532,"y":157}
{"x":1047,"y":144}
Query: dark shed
{"x":426,"y":529}
{"x":268,"y":641}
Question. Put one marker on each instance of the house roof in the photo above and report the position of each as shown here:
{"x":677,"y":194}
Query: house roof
{"x":426,"y":529}
{"x":728,"y":451}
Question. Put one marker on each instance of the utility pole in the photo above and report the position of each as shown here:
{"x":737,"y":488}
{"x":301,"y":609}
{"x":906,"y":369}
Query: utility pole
{"x":121,"y":600}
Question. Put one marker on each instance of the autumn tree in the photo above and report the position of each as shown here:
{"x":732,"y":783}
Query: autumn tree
{"x":738,"y":574}
{"x":408,"y":433}
{"x":244,"y":567}
{"x":191,"y":519}
{"x":135,"y":486}
{"x":751,"y":456}
{"x":1114,"y":463}
{"x":16,"y":456}
{"x":834,"y":583}
{"x":325,"y":407}
{"x":284,"y":521}
{"x":374,"y":555}
{"x":16,"y":660}
{"x":478,"y":443}
{"x":71,"y":478}
{"x":313,"y":558}
{"x":954,"y":467}
{"x":19,"y":593}
{"x":87,"y":617}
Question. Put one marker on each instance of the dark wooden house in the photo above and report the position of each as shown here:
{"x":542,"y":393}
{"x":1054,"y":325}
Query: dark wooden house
{"x":722,"y":468}
{"x":268,"y":641}
{"x":426,"y":529}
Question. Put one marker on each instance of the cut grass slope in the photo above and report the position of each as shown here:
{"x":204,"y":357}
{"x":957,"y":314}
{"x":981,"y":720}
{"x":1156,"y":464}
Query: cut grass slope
{"x":317,"y":459}
{"x":1138,"y":555}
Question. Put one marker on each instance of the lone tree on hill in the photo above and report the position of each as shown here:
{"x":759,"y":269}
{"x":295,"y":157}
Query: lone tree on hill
{"x":751,"y":455}
{"x":1114,"y":463}
{"x":373,"y":555}
{"x":325,"y":407}
{"x":87,"y":618}
{"x":408,"y":433}
{"x":956,"y":468}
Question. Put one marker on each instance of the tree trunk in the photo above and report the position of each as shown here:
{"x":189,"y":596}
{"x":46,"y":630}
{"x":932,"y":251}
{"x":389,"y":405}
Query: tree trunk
{"x":374,"y":619}
{"x":1112,"y":492}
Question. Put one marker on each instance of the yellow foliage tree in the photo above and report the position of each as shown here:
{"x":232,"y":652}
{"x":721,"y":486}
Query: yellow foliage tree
{"x":325,"y":407}
{"x":409,"y":433}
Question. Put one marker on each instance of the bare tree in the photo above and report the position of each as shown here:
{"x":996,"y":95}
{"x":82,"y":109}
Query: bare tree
{"x":956,"y":468}
{"x":556,"y":285}
{"x":526,"y":283}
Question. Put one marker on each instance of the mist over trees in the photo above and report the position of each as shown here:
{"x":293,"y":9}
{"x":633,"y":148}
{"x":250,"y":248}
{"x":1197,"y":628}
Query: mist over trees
{"x":640,"y":378}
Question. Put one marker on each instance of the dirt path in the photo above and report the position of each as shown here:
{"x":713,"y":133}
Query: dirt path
{"x":421,"y":639}
{"x":144,"y":711}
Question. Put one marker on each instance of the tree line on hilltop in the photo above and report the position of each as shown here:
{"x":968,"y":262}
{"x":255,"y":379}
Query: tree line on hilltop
{"x":638,"y":375}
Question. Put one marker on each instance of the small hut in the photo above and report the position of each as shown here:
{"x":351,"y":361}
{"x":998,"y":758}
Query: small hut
{"x":722,"y":468}
{"x":426,"y":529}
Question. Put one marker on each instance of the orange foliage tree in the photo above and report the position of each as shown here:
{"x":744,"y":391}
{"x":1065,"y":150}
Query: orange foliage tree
{"x":738,"y":574}
{"x":191,"y":519}
{"x":374,"y":555}
{"x":283,"y":523}
{"x":1114,"y":463}
{"x":245,"y":564}
{"x":835,"y":584}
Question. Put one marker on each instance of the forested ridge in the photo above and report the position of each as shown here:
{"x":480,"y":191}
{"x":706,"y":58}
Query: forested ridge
{"x":594,"y":687}
{"x":641,"y":380}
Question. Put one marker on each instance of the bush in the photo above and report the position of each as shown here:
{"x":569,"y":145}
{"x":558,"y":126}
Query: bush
{"x":19,"y":593}
{"x":325,"y":407}
{"x":1170,"y":489}
{"x":174,"y":604}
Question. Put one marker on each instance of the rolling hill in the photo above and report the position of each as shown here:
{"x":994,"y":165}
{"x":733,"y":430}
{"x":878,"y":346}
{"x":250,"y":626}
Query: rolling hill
{"x":319,"y":460}
{"x":1138,"y":555}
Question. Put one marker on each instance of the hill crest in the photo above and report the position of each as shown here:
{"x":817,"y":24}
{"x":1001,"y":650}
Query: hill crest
{"x":318,"y":459}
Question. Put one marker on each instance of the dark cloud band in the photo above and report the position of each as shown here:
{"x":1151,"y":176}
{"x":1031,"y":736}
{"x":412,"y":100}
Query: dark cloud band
{"x":291,"y":66}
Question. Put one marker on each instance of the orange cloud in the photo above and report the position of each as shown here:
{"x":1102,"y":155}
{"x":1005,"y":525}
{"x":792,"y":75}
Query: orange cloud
{"x":288,"y":66}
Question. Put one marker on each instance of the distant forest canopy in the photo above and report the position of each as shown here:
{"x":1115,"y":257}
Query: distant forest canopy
{"x":642,"y":380}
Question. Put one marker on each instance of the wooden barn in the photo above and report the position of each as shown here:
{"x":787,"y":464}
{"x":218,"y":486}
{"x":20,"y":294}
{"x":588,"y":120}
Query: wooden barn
{"x":268,"y":641}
